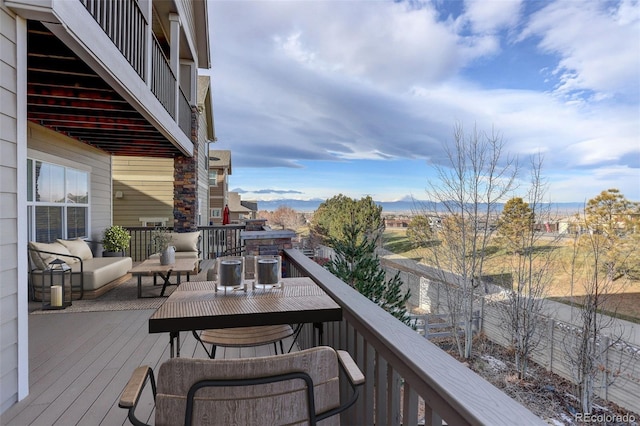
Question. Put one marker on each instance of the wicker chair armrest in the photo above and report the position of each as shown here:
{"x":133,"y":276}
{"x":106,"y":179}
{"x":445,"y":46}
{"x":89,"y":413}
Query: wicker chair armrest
{"x":355,"y":377}
{"x":132,"y":391}
{"x":349,"y":366}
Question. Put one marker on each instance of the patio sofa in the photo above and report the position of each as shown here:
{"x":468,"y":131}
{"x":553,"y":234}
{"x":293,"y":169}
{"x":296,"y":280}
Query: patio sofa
{"x":187,"y":246}
{"x":90,"y":276}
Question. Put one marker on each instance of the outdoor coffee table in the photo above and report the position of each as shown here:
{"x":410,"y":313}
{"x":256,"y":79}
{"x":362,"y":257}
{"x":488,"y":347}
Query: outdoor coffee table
{"x":197,"y":306}
{"x":153,"y":267}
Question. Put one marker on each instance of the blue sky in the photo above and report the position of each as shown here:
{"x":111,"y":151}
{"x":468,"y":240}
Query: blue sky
{"x":317,"y":98}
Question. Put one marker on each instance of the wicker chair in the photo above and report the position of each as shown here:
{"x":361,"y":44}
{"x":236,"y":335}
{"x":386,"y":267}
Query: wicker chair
{"x":297,"y":388}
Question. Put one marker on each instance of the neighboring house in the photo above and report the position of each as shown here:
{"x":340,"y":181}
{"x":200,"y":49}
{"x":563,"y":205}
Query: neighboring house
{"x":83,"y":81}
{"x":143,"y":187}
{"x":219,"y":172}
{"x":251,"y":205}
{"x":237,"y":212}
{"x":219,"y":195}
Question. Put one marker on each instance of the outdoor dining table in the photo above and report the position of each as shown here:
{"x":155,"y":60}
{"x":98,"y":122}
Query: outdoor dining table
{"x":198,"y":306}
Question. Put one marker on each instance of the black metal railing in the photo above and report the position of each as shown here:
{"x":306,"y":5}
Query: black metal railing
{"x":184,"y":114}
{"x":163,"y":81}
{"x":215,"y":241}
{"x":126,"y":26}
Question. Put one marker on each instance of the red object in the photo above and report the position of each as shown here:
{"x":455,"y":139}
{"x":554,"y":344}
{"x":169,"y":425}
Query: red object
{"x":225,"y":215}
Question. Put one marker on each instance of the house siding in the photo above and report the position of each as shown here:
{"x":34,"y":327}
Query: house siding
{"x":47,"y":145}
{"x":14,"y":341}
{"x":20,"y":140}
{"x":217,"y":195}
{"x":147,"y":189}
{"x":203,"y":169}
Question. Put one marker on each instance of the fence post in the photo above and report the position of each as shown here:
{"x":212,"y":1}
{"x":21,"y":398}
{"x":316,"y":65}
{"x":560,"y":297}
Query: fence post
{"x":426,"y":326}
{"x":481,"y":318}
{"x":552,"y":327}
{"x":605,"y":370}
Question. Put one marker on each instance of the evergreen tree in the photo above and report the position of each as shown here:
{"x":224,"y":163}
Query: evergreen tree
{"x":357,"y":264}
{"x":331,"y":217}
{"x":515,"y":225}
{"x":613,"y":219}
{"x":419,"y":231}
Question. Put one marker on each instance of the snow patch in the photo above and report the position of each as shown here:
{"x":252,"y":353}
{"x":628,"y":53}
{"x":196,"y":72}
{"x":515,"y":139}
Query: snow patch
{"x":494,"y":363}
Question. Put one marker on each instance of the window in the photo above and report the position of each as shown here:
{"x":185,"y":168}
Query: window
{"x":216,"y":212}
{"x":154,"y":221}
{"x":213,"y":178}
{"x":57,"y":201}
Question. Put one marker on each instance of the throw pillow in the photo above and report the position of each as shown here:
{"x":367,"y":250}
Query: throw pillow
{"x":42,"y":260}
{"x":185,"y":241}
{"x":78,"y":247}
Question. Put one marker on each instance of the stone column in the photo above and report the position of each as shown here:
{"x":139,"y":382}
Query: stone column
{"x":185,"y":185}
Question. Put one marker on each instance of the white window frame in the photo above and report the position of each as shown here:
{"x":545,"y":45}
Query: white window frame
{"x":154,"y":221}
{"x":213,"y":176}
{"x":64,"y":205}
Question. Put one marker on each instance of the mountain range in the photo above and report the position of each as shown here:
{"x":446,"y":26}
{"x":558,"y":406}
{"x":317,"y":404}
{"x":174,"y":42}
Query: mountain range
{"x":401,"y":206}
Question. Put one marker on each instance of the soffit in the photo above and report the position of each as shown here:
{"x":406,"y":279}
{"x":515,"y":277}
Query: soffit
{"x":64,"y":94}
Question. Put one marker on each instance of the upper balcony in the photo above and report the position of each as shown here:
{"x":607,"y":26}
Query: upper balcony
{"x":118,"y":75}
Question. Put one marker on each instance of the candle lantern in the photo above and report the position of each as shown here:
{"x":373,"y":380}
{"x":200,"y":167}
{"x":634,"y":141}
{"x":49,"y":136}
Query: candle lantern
{"x":58,"y":271}
{"x":230,"y":273}
{"x":268,"y":271}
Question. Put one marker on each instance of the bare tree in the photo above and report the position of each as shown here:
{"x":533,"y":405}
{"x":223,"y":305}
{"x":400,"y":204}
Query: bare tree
{"x":595,"y":268}
{"x":286,"y":217}
{"x":470,"y":183}
{"x":530,"y":266}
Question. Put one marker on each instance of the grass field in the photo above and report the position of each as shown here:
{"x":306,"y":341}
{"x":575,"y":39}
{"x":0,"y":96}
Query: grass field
{"x":626,"y":298}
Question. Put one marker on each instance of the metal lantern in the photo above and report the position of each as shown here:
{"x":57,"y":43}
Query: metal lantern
{"x":57,"y":271}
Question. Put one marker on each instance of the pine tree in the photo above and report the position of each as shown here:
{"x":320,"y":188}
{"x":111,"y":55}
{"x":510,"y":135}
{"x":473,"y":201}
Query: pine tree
{"x":515,"y":226}
{"x":357,"y":264}
{"x":336,"y":212}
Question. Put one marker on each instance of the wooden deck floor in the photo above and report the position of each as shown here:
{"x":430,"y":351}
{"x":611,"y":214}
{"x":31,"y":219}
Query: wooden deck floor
{"x":80,"y":362}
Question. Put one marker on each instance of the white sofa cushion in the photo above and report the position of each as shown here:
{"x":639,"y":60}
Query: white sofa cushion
{"x":78,"y":247}
{"x":102,"y":270}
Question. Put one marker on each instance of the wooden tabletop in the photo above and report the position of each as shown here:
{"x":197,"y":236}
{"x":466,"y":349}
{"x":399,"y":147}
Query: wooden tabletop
{"x":151,"y":266}
{"x":197,"y":306}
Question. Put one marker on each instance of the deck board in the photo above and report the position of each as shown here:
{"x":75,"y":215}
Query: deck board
{"x":80,"y":363}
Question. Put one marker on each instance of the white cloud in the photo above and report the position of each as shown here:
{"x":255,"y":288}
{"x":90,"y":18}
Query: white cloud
{"x":492,"y":16}
{"x":386,"y":43}
{"x":296,"y":82}
{"x":598,"y":45}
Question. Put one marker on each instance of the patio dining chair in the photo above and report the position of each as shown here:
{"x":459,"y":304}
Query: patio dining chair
{"x":243,"y":337}
{"x":239,"y":337}
{"x":296,"y":388}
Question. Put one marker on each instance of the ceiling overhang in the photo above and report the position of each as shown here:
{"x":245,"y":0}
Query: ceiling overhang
{"x":64,"y":94}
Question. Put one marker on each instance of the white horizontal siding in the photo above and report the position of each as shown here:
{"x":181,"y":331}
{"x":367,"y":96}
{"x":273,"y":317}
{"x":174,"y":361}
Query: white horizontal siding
{"x":10,"y":281}
{"x":47,"y":145}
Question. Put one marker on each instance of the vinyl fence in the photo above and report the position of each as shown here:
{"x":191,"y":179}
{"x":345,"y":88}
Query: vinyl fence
{"x":619,"y":380}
